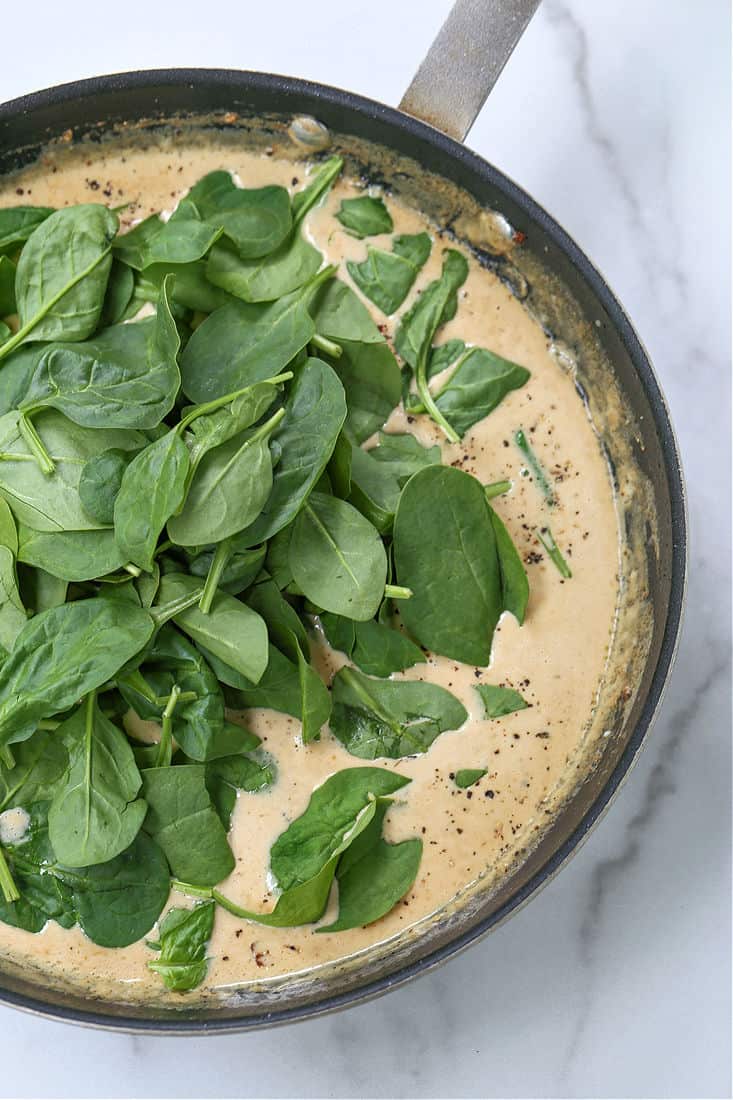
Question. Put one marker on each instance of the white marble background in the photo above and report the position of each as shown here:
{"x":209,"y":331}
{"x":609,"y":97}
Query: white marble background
{"x":616,"y":981}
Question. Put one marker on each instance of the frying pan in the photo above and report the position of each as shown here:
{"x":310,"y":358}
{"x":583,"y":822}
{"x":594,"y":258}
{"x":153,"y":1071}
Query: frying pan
{"x":417,"y":151}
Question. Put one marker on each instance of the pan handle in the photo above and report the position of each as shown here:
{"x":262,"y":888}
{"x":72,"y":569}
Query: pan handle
{"x":465,"y":61}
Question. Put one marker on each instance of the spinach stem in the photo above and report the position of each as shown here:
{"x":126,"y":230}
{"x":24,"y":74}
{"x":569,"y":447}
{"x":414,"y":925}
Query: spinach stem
{"x":540,"y":477}
{"x":165,"y":611}
{"x":397,"y":592}
{"x":165,"y":750}
{"x":27,"y":328}
{"x":191,"y":891}
{"x":544,"y":534}
{"x":48,"y":724}
{"x":421,"y":381}
{"x":133,"y":570}
{"x":35,"y":444}
{"x":320,"y":181}
{"x":7,"y":883}
{"x":218,"y":565}
{"x":6,"y":757}
{"x":226,"y":399}
{"x":497,"y":489}
{"x":322,"y":343}
{"x":184,"y":697}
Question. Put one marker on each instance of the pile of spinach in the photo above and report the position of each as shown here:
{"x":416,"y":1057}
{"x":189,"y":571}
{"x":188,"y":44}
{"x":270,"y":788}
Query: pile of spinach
{"x":184,"y":502}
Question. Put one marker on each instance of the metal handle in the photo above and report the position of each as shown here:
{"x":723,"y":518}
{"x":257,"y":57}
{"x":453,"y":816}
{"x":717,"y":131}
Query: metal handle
{"x":465,"y":61}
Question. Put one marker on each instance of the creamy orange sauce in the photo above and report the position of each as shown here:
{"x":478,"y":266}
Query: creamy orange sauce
{"x":556,"y":659}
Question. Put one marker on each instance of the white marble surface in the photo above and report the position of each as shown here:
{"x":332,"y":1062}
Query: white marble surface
{"x":616,"y":981}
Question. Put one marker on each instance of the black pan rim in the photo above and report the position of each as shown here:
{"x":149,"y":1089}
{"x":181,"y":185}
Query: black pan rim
{"x":397,"y":120}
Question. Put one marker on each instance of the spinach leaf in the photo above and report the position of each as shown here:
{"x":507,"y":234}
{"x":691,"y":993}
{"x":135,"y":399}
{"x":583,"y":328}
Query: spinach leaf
{"x":39,"y":591}
{"x":8,"y":530}
{"x":120,"y":289}
{"x":414,"y":337}
{"x":125,"y":377}
{"x":374,"y":647}
{"x":403,"y":455}
{"x":183,"y":821}
{"x":391,"y":718}
{"x":374,"y":490}
{"x":337,"y":558}
{"x":231,"y":631}
{"x":278,"y":688}
{"x":292,"y":265}
{"x":99,"y":484}
{"x":499,"y":701}
{"x":63,"y":654}
{"x":315,"y":411}
{"x":365,"y":216}
{"x":337,"y":811}
{"x":180,"y":240}
{"x":385,"y":278}
{"x":442,"y":356}
{"x":18,"y":222}
{"x":8,"y":304}
{"x":256,"y":221}
{"x":315,"y":700}
{"x":284,"y":627}
{"x":467,"y":777}
{"x":71,"y":555}
{"x":39,"y":764}
{"x":43,"y":896}
{"x":340,"y":315}
{"x":152,"y":489}
{"x":62,"y":275}
{"x":372,"y":383}
{"x":229,"y":489}
{"x":184,"y":935}
{"x":12,"y":613}
{"x":118,"y":902}
{"x":445,"y":552}
{"x":245,"y":342}
{"x":95,"y":813}
{"x":479,"y":383}
{"x":514,"y":583}
{"x":228,"y":775}
{"x":51,"y":502}
{"x":373,"y":875}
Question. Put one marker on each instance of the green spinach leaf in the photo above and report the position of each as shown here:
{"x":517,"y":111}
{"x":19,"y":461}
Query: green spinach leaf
{"x":500,"y":701}
{"x":152,"y":489}
{"x":184,"y":936}
{"x":365,"y":216}
{"x":514,"y":583}
{"x":18,"y":222}
{"x":39,"y":764}
{"x":467,"y":777}
{"x":95,"y":813}
{"x":44,"y":674}
{"x":230,"y":631}
{"x":337,"y":558}
{"x":71,"y":555}
{"x":373,"y":875}
{"x":445,"y":552}
{"x":183,"y":821}
{"x":386,"y":278}
{"x":99,"y":484}
{"x":62,"y":275}
{"x":392,"y":718}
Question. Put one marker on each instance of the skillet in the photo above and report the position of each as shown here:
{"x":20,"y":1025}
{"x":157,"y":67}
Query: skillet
{"x":418,"y":151}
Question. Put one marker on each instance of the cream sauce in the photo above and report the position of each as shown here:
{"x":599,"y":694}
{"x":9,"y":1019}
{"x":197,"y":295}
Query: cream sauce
{"x":556,"y":659}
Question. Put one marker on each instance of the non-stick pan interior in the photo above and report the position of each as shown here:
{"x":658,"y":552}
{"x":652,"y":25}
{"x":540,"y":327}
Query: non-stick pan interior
{"x":592,"y":338}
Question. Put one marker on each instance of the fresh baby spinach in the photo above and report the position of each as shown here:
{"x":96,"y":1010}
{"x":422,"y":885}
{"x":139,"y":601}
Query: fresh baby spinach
{"x":62,"y":275}
{"x":337,"y":558}
{"x":95,"y":813}
{"x":18,"y":222}
{"x":467,"y":777}
{"x":365,"y":216}
{"x":500,"y":701}
{"x":386,"y":278}
{"x":183,"y":937}
{"x":445,"y":552}
{"x":391,"y":718}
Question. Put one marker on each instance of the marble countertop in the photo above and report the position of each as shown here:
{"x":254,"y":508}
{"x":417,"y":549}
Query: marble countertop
{"x":615,"y":982}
